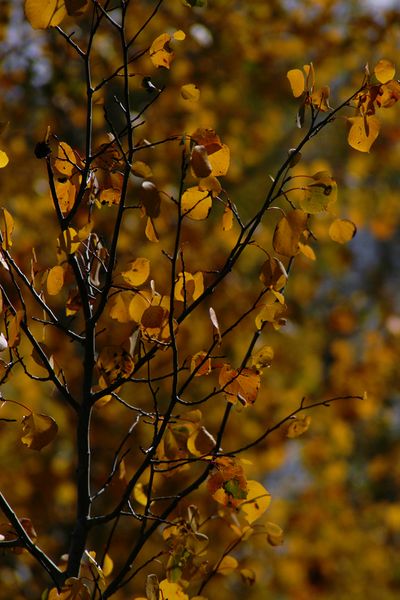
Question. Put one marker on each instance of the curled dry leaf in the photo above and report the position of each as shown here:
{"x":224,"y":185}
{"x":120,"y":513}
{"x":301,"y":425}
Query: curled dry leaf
{"x":38,"y":430}
{"x":298,"y":426}
{"x":199,"y":161}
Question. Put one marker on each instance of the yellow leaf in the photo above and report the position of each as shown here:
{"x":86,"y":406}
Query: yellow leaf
{"x":65,"y":163}
{"x":73,"y":589}
{"x":211,"y":184}
{"x":384,"y":70}
{"x":310,"y":76}
{"x":14,"y":329}
{"x":271,"y":313}
{"x":189,"y":287}
{"x":363,"y":132}
{"x":55,"y":280}
{"x":42,"y":14}
{"x":160,"y":52}
{"x":219,"y":161}
{"x":138,"y":304}
{"x":227,"y":219}
{"x":262,"y":358}
{"x":320,"y":99}
{"x":319,"y":194}
{"x":179,"y":35}
{"x":108,"y":565}
{"x":288,"y":232}
{"x":138,"y":273}
{"x":227,"y":565}
{"x":274,"y":534}
{"x":342,"y":230}
{"x":38,"y":431}
{"x":248,"y":576}
{"x":69,"y":241}
{"x":140,"y":169}
{"x":3,"y":159}
{"x":257,"y":501}
{"x":119,"y":307}
{"x":150,"y":231}
{"x":66,"y":193}
{"x":307,"y":251}
{"x":7,"y":227}
{"x":139,"y":495}
{"x":172,"y":591}
{"x":298,"y":426}
{"x":114,"y":363}
{"x":190,"y":92}
{"x":196,"y":204}
{"x":296,"y":80}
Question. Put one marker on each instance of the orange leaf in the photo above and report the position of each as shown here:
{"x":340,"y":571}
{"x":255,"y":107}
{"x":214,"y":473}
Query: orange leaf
{"x":242,"y":385}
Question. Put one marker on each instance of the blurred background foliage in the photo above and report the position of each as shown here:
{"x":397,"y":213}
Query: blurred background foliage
{"x":336,"y":490}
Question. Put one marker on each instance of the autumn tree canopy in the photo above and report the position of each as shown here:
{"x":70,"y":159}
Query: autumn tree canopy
{"x":200,"y":322}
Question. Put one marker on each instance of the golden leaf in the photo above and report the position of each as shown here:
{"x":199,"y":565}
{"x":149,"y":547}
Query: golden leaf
{"x":262,"y":358}
{"x":66,"y":193}
{"x":384,"y":70}
{"x":138,"y":273}
{"x":172,"y":591}
{"x":196,"y":204}
{"x":288,"y":232}
{"x":257,"y":501}
{"x":274,"y":534}
{"x":42,"y":14}
{"x":219,"y":161}
{"x":38,"y":431}
{"x":363,"y":132}
{"x":190,"y":92}
{"x":119,"y":307}
{"x":69,"y":240}
{"x":298,"y":426}
{"x":319,"y":194}
{"x":3,"y":159}
{"x":227,"y":219}
{"x":227,"y":565}
{"x":160,"y":53}
{"x":342,"y":231}
{"x":55,"y":280}
{"x":296,"y":80}
{"x":141,"y":169}
{"x":189,"y":287}
{"x":65,"y":163}
{"x":151,"y":231}
{"x":7,"y":228}
{"x":114,"y":363}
